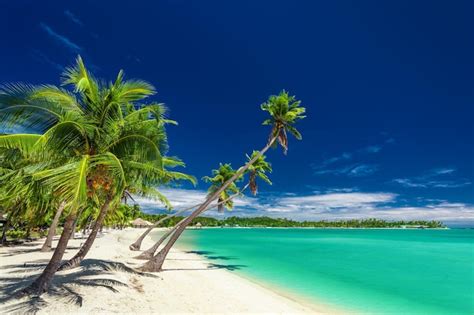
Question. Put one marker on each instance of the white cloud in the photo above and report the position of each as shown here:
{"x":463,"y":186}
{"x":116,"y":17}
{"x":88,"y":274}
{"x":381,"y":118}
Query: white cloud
{"x":338,"y":206}
{"x":183,"y":198}
{"x":326,"y":206}
{"x":372,"y":149}
{"x":342,"y":165}
{"x":435,"y":178}
{"x":73,"y":18}
{"x":338,"y":200}
{"x":327,"y":162}
{"x":363,"y":170}
{"x":338,"y":190}
{"x":354,"y":170}
{"x":60,"y":38}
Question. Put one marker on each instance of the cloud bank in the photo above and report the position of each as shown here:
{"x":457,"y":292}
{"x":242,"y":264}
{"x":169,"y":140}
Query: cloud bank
{"x":435,"y":178}
{"x":323,"y":206}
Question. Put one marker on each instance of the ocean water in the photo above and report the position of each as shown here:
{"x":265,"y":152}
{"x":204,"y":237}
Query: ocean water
{"x":367,"y":271}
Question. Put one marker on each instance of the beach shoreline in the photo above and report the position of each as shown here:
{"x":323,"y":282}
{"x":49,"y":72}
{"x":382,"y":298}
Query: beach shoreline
{"x":188,"y":284}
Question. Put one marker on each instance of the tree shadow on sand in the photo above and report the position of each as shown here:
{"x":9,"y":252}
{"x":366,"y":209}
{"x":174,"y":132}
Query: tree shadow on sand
{"x":92,"y":273}
{"x":200,"y":252}
{"x":209,"y":267}
{"x":221,"y":257}
{"x":26,"y":249}
{"x":210,"y":255}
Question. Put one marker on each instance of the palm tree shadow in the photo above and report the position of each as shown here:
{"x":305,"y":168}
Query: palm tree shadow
{"x":230,"y":267}
{"x":210,"y":255}
{"x":221,"y":257}
{"x":210,"y":267}
{"x":22,"y":243}
{"x":19,"y":251}
{"x":93,"y":273}
{"x":29,"y":249}
{"x":200,"y":252}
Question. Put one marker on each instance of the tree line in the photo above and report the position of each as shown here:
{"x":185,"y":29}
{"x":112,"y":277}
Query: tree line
{"x":264,"y":221}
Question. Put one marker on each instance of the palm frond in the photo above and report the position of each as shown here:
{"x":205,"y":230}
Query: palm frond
{"x":69,"y":181}
{"x":138,"y":148}
{"x":25,"y":143}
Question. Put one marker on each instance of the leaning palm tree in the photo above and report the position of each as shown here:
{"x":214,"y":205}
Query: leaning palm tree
{"x":284,"y":111}
{"x":257,"y":170}
{"x":135,"y":246}
{"x":221,"y":176}
{"x":92,"y":142}
{"x":170,"y":162}
{"x":48,"y":243}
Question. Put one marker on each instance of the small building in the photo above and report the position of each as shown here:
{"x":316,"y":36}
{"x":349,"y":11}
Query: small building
{"x":412,"y":226}
{"x":140,"y":223}
{"x":198,"y":225}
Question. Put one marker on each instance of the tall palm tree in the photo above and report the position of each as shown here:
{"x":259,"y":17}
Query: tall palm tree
{"x":97,"y":139}
{"x":284,"y":111}
{"x":221,"y":176}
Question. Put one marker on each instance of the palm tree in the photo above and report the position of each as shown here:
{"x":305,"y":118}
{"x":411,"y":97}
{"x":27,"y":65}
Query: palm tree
{"x":168,"y":177}
{"x":221,"y":176}
{"x":138,"y":243}
{"x":258,"y":170}
{"x":141,"y":182}
{"x":48,"y":243}
{"x":284,"y":111}
{"x":97,"y":139}
{"x":227,"y":202}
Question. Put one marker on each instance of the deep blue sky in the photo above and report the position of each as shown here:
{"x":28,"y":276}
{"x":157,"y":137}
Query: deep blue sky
{"x":388,"y":87}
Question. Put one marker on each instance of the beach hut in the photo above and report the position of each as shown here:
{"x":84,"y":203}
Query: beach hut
{"x":198,"y":225}
{"x":140,"y":223}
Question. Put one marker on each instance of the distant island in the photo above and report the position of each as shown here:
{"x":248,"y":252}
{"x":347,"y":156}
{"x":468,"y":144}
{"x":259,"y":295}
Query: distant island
{"x":282,"y":222}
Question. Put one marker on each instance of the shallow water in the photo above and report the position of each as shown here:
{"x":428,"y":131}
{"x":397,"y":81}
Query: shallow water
{"x":375,"y":271}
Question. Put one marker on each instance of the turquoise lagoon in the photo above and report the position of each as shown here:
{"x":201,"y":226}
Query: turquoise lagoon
{"x":366,"y":271}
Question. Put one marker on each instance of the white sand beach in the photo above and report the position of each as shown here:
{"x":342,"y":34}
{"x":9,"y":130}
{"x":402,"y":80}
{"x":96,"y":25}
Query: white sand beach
{"x":188,"y":284}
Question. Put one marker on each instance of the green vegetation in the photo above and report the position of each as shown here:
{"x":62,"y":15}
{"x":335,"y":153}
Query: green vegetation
{"x":95,"y":143}
{"x":221,"y":176}
{"x":281,"y":222}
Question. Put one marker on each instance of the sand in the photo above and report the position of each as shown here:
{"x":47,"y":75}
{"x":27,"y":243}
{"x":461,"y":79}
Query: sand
{"x":107,"y":283}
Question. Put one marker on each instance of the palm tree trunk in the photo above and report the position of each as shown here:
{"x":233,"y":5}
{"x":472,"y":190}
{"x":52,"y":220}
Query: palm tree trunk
{"x":155,"y":264}
{"x":86,"y":225}
{"x":138,"y":243}
{"x":84,"y":229}
{"x":73,"y":234}
{"x":149,"y":253}
{"x":52,"y":229}
{"x":6,"y":226}
{"x":41,"y":284}
{"x":28,"y":233}
{"x":79,"y":257}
